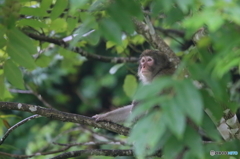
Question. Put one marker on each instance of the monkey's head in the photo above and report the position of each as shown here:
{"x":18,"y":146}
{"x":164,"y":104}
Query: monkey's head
{"x":152,"y":63}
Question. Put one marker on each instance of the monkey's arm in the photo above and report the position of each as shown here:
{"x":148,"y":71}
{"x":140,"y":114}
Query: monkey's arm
{"x":117,"y":116}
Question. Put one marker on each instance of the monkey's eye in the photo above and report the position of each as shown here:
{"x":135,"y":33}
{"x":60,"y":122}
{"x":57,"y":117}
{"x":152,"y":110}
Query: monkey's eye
{"x":150,"y":59}
{"x":143,"y":60}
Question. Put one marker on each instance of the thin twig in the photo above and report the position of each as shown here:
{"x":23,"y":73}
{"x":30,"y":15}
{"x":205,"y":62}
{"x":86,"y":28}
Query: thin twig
{"x":16,"y":126}
{"x":80,"y":51}
{"x":39,"y":97}
{"x":20,"y":91}
{"x":171,"y":31}
{"x":36,"y":154}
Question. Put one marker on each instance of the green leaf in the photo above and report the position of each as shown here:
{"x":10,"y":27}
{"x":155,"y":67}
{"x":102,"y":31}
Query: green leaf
{"x":3,"y":42}
{"x":233,"y":13}
{"x":184,"y":4}
{"x":2,"y":30}
{"x":159,"y":5}
{"x":110,"y":30}
{"x":174,"y":118}
{"x":58,"y":25}
{"x":58,"y":8}
{"x":224,"y":67}
{"x":146,"y":105}
{"x":120,"y":49}
{"x":43,"y":61}
{"x":13,"y":74}
{"x":110,"y":44}
{"x":98,"y":5}
{"x":78,"y":4}
{"x":209,"y":3}
{"x":137,"y":39}
{"x":84,"y":29}
{"x":172,"y":148}
{"x":153,"y":89}
{"x":210,"y":128}
{"x":155,"y":5}
{"x":15,"y":36}
{"x":20,"y":55}
{"x":2,"y":86}
{"x":93,"y":38}
{"x":133,"y":8}
{"x":38,"y":12}
{"x":130,"y":85}
{"x":147,"y":126}
{"x":174,"y":15}
{"x":189,"y":100}
{"x":71,"y":24}
{"x":209,"y":17}
{"x":167,"y":5}
{"x":121,"y":17}
{"x":45,"y":4}
{"x":194,"y":141}
{"x":6,"y":96}
{"x":9,"y":116}
{"x":212,"y":106}
{"x":32,"y":23}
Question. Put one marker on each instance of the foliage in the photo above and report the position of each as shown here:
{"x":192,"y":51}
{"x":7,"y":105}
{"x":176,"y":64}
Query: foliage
{"x":56,"y":51}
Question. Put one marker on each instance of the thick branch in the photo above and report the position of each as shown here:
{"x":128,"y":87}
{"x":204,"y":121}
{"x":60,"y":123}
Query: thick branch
{"x":80,"y":51}
{"x":155,"y":40}
{"x":65,"y":117}
{"x":89,"y":143}
{"x":95,"y":152}
{"x":36,"y":154}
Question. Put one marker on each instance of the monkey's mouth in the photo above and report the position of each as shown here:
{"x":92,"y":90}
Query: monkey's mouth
{"x":145,"y":72}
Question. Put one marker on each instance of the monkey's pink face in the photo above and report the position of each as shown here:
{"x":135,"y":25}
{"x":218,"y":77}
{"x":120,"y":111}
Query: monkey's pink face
{"x":146,"y":63}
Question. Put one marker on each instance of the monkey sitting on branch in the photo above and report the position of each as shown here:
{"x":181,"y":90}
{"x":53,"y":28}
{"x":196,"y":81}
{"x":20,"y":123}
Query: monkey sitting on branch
{"x":152,"y":64}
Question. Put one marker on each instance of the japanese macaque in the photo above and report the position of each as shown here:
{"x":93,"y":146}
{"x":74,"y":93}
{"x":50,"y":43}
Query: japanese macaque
{"x":152,"y":64}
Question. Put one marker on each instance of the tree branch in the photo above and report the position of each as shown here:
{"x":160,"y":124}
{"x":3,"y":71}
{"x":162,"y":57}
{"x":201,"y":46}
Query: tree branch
{"x":65,"y":117}
{"x":94,"y":152}
{"x":39,"y":97}
{"x":167,"y":32}
{"x":89,"y":143}
{"x":20,"y":91}
{"x":36,"y":154}
{"x":16,"y":126}
{"x":80,"y":51}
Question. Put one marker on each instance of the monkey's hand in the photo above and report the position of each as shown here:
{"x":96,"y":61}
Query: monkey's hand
{"x":117,"y":116}
{"x":101,"y":117}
